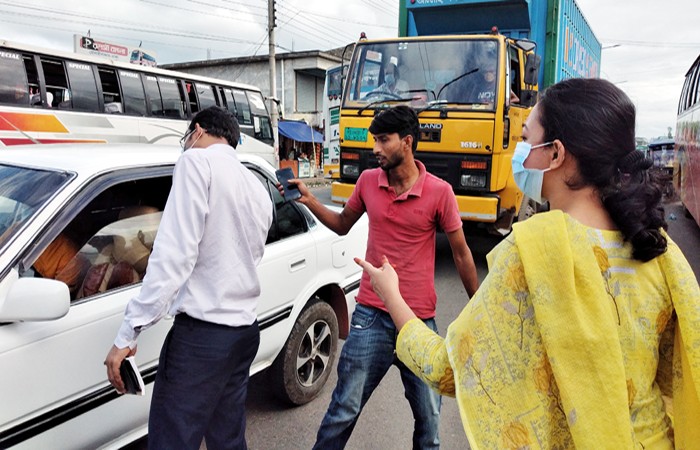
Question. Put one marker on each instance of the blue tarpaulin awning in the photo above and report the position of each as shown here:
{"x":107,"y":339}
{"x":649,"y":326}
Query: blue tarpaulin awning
{"x":299,"y":131}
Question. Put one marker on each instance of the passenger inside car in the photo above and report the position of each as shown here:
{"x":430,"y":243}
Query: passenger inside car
{"x":61,"y":261}
{"x":123,"y":249}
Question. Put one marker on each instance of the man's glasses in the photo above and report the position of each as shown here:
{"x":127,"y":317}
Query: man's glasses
{"x":183,"y":139}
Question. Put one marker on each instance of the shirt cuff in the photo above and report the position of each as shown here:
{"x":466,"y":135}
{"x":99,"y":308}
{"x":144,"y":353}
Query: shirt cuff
{"x":126,"y":337}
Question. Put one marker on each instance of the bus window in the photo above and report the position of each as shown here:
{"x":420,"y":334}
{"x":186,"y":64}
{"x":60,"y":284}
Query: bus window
{"x":242,"y":108}
{"x":172,"y":100}
{"x":134,"y":96}
{"x":261,"y":119}
{"x":13,"y":79}
{"x":206,"y":95}
{"x":83,"y":87}
{"x":191,"y":97}
{"x":32,"y":78}
{"x":56,"y":83}
{"x":153,"y":91}
{"x":227,"y":95}
{"x":110,"y":91}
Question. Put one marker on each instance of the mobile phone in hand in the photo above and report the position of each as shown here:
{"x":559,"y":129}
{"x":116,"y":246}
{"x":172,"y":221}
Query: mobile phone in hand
{"x":291,"y":191}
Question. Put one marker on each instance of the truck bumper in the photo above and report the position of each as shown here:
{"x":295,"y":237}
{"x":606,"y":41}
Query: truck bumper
{"x":471,"y":208}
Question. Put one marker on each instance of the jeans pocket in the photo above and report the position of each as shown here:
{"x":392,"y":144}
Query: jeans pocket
{"x":363,"y":317}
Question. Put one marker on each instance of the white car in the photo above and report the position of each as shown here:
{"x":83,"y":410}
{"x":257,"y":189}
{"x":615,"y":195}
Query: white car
{"x":87,"y":216}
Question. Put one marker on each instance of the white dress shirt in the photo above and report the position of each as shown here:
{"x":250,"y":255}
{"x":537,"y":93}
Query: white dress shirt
{"x":209,"y":242}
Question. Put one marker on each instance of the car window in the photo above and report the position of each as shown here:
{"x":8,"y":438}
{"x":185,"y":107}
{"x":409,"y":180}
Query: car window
{"x":24,"y":191}
{"x":288,"y":220}
{"x":108,"y":242}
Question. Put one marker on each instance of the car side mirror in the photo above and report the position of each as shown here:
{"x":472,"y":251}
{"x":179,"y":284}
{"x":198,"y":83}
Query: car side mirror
{"x":35,"y":299}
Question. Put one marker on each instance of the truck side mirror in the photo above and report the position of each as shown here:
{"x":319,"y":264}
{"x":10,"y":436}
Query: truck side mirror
{"x":532,"y":69}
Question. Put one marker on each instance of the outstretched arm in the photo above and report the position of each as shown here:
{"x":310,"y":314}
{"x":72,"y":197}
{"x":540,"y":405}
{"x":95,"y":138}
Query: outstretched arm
{"x":340,"y":223}
{"x":385,"y":283}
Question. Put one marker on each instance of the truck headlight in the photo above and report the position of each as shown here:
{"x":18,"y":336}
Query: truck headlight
{"x":473,"y":180}
{"x":351,"y":170}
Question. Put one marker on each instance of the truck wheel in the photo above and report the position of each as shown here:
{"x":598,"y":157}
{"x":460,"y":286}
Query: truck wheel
{"x":302,"y":368}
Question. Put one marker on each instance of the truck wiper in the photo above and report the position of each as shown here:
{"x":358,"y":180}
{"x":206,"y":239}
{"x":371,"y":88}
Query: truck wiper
{"x":436,"y":104}
{"x":455,"y":79}
{"x":386,"y":100}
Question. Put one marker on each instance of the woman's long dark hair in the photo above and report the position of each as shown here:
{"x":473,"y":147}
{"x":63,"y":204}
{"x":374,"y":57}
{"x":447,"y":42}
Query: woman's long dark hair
{"x":595,"y":121}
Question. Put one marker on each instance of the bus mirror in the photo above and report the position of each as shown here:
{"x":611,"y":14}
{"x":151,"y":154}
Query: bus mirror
{"x":532,"y":69}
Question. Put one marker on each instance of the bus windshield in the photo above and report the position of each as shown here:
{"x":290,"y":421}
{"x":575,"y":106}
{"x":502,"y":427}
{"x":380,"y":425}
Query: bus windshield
{"x":461,"y":74}
{"x":22,"y":192}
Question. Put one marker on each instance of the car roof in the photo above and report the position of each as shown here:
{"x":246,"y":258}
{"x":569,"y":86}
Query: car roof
{"x":95,"y":158}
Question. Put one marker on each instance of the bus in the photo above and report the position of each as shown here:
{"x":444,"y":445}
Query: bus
{"x":687,"y":143}
{"x":47,"y":96}
{"x":140,"y":57}
{"x":331,"y":120}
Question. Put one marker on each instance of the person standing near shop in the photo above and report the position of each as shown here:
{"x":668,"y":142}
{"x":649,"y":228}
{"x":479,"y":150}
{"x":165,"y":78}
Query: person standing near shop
{"x":406,"y":206}
{"x":202,"y":271}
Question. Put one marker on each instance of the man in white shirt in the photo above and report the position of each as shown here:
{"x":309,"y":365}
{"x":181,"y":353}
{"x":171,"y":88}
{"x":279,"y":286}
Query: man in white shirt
{"x":202,"y":271}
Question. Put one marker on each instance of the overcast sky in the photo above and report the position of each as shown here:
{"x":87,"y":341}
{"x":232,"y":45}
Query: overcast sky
{"x":648,"y":44}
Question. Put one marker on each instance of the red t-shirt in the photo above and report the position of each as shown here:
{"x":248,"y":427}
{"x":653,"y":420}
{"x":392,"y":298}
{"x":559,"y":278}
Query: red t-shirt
{"x":403,"y":228}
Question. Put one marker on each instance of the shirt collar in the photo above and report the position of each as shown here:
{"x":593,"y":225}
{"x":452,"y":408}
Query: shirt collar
{"x":416,"y":189}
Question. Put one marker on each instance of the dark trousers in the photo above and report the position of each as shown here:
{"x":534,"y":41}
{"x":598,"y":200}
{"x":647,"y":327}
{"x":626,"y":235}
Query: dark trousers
{"x":201,"y":386}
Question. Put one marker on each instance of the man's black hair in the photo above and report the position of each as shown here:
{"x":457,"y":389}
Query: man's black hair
{"x":218,"y":122}
{"x":399,"y":119}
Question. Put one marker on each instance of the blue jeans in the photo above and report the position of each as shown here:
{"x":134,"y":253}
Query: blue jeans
{"x":366,"y":357}
{"x":201,"y":386}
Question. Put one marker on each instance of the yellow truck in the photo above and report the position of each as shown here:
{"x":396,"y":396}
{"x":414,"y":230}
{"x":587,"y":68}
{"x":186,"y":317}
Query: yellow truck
{"x":472,"y":94}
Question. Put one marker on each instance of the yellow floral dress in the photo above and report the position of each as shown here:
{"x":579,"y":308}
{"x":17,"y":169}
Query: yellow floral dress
{"x":571,"y":343}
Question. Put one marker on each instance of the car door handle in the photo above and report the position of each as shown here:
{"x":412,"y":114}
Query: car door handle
{"x":297,"y":265}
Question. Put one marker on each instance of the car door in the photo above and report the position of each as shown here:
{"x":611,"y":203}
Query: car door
{"x":53,"y":385}
{"x":286,"y":272}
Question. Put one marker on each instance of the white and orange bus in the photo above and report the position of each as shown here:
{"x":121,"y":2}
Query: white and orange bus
{"x":687,"y":147}
{"x":48,"y":96}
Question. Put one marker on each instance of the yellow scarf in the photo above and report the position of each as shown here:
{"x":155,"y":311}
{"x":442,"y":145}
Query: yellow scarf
{"x":580,"y":337}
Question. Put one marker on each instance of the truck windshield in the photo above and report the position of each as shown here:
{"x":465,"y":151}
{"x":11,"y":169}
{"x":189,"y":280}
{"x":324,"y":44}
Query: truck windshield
{"x":24,"y":191}
{"x":459,"y":74}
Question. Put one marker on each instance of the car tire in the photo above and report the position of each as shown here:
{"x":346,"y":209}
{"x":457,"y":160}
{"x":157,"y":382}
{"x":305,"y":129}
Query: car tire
{"x":302,"y":368}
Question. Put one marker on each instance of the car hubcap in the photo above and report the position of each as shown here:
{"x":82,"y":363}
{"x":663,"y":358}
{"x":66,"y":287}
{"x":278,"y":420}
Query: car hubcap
{"x":314,"y":353}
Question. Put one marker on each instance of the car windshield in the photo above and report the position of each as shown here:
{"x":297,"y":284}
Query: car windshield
{"x":459,"y":74}
{"x":23,"y":191}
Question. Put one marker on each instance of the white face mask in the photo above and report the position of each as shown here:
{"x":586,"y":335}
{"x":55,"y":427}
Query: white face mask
{"x":528,"y":180}
{"x":184,"y":142}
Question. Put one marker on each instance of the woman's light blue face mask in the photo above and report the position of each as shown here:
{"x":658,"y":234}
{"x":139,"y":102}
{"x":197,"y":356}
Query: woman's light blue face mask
{"x":528,"y":180}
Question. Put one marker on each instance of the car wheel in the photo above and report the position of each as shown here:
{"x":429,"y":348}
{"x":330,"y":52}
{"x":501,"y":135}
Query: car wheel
{"x":302,"y":368}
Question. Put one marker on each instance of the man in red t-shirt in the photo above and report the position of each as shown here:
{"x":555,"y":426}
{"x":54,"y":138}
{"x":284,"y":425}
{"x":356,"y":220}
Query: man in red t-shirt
{"x":405,"y":206}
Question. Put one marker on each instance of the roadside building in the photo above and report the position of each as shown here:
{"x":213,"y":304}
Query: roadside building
{"x":300,"y":80}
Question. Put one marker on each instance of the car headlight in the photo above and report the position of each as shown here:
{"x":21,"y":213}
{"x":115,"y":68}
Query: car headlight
{"x":473,"y":180}
{"x":351,"y":170}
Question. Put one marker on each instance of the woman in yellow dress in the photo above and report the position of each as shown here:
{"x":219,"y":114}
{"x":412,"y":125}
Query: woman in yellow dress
{"x":586,"y":331}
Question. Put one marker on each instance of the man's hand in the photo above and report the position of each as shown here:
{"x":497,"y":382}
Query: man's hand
{"x":385,"y":282}
{"x":303,"y":190}
{"x":113,"y":361}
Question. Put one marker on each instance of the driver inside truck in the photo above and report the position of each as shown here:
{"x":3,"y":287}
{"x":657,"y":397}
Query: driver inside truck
{"x":393,"y":85}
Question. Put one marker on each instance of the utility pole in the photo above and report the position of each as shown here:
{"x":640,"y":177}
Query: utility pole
{"x":271,"y":19}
